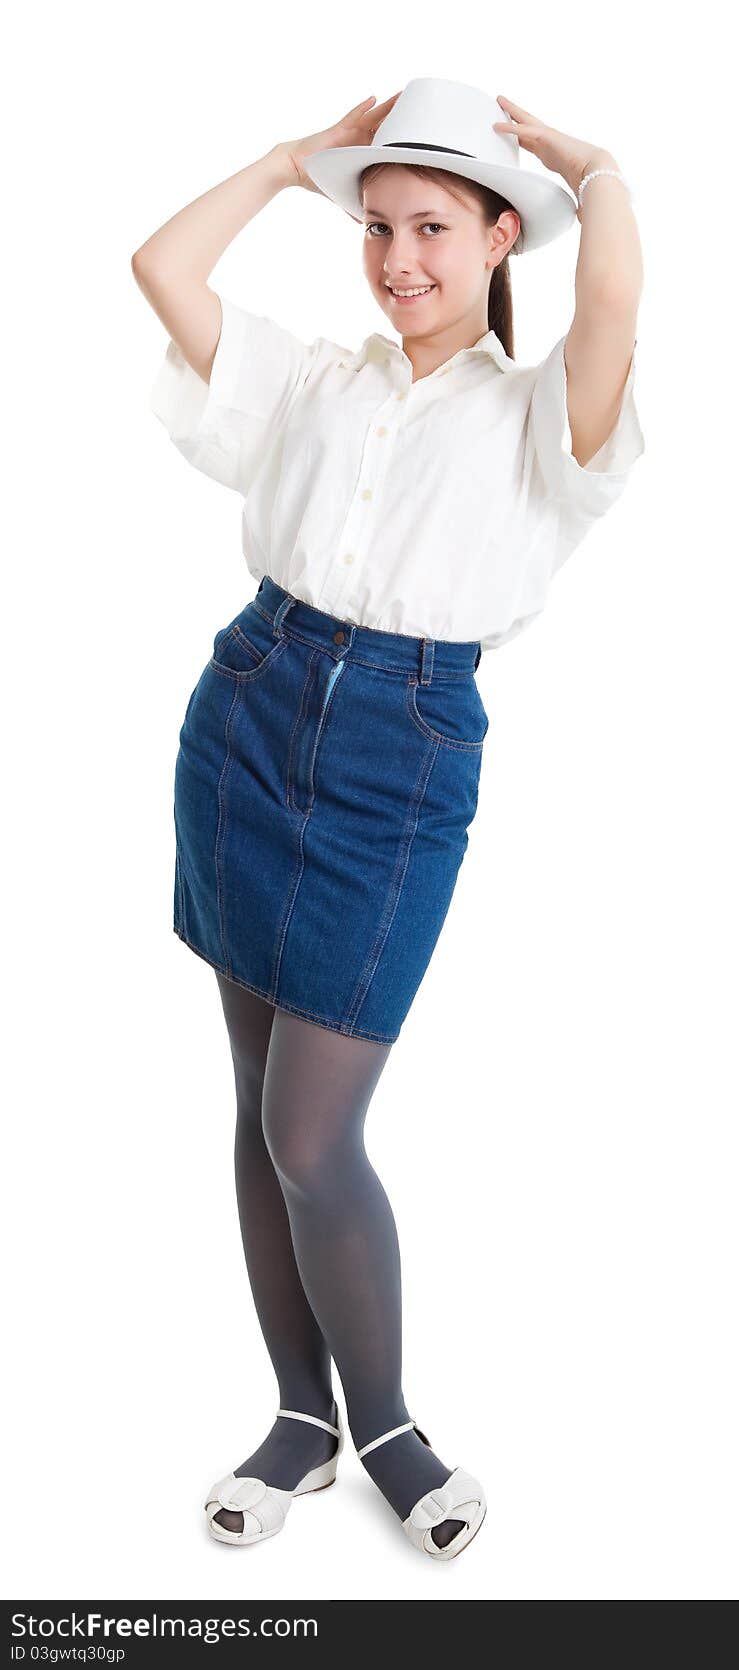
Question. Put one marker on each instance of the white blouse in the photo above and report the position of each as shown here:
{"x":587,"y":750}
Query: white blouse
{"x":440,"y":508}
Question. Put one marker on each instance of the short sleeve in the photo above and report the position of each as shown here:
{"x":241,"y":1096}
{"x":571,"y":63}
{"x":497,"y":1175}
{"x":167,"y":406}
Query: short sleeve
{"x":588,"y":488}
{"x":225,"y":426}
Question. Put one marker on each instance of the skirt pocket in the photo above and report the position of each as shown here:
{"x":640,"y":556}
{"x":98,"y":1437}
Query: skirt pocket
{"x":243,"y":649}
{"x":450,"y":712}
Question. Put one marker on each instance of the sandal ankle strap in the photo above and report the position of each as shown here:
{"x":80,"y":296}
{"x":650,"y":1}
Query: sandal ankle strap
{"x":296,"y":1415}
{"x":406,"y":1427}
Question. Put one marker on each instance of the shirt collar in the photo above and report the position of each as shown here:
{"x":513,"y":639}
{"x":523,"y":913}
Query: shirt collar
{"x":376,"y":344}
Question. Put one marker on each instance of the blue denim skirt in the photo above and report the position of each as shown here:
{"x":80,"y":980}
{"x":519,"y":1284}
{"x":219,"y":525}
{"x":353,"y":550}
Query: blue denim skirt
{"x":326,"y":778}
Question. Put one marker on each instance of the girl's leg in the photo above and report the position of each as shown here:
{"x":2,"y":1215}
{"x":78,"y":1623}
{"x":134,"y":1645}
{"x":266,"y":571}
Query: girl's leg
{"x":297,"y":1348}
{"x":316,"y":1091}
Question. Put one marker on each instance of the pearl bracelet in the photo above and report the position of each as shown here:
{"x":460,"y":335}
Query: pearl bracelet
{"x":596,"y":171}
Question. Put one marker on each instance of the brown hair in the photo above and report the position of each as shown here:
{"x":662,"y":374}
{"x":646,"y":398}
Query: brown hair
{"x":500,"y":301}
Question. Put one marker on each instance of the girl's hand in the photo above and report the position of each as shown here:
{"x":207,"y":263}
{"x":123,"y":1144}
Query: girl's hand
{"x":357,"y":127}
{"x":572,"y":158}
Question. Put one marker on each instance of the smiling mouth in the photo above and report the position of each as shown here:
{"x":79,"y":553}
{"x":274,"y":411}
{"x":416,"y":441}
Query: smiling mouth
{"x":415,"y":293}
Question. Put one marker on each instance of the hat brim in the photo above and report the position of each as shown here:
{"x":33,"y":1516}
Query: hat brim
{"x":546,"y":209}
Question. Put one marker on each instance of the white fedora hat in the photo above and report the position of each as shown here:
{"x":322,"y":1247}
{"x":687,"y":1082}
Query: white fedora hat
{"x":450,"y":125}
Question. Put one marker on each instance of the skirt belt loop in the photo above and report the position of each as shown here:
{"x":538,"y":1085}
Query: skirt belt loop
{"x":427,"y":660}
{"x":287,"y":603}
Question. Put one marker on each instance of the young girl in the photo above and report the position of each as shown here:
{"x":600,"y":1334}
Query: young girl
{"x":405,"y":508}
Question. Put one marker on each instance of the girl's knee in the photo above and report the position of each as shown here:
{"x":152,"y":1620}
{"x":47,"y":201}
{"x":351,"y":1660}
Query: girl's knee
{"x":300,"y":1149}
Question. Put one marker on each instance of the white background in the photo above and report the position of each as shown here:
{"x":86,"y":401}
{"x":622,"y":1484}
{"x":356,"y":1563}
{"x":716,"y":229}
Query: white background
{"x":556,"y":1126}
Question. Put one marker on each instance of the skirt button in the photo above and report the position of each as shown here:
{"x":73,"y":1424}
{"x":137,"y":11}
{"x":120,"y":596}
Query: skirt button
{"x":338,"y":637}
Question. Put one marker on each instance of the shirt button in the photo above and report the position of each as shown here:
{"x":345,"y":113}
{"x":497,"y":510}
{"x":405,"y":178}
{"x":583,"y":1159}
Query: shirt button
{"x":338,"y":637}
{"x":382,"y":430}
{"x":401,"y":394}
{"x":349,"y":557}
{"x":367,"y":494}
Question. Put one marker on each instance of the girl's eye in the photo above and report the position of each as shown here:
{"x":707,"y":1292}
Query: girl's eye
{"x":373,"y":223}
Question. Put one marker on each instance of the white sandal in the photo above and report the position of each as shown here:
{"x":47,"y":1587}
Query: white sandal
{"x":460,"y":1497}
{"x":263,"y":1506}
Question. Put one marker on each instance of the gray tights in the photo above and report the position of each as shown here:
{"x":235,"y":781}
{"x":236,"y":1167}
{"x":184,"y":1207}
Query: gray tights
{"x":321,"y":1249}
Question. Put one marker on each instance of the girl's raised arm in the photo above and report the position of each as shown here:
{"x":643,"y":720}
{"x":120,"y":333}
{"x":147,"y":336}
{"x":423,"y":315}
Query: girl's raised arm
{"x":173,"y":266}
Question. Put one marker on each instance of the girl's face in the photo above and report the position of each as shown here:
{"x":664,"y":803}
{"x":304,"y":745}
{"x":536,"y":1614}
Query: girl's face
{"x":418,"y":235}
